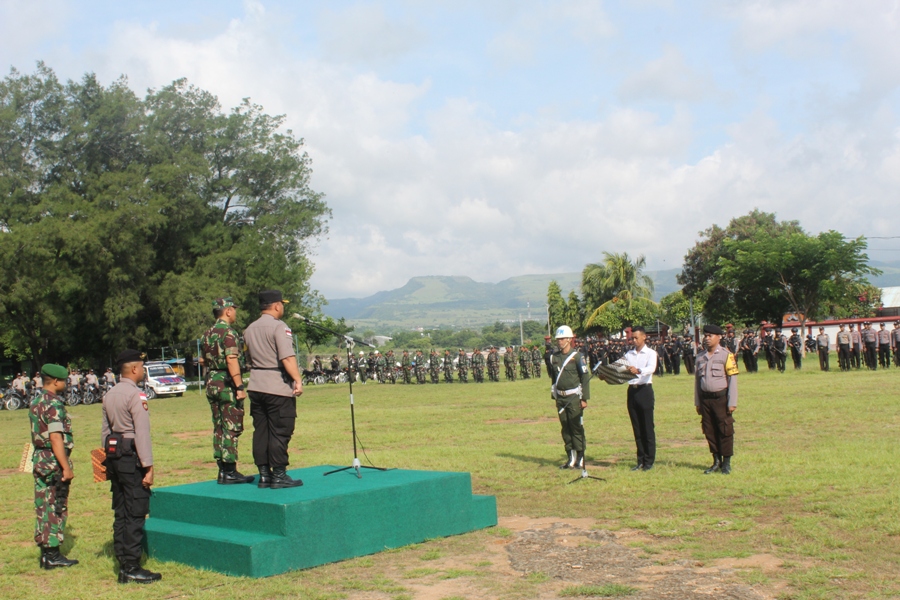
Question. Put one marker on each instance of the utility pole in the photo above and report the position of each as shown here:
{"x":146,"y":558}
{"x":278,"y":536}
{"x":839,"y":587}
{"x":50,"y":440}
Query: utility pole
{"x":521,"y":331}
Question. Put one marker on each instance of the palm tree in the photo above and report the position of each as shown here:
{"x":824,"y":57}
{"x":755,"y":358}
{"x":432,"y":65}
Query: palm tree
{"x":616,"y":279}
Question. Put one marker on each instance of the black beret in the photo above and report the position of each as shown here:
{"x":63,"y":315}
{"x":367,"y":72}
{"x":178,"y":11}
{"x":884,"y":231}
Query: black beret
{"x":270,"y":297}
{"x":713,"y":329}
{"x":127,"y":356}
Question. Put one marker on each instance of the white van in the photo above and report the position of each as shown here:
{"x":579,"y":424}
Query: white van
{"x":162,"y":380}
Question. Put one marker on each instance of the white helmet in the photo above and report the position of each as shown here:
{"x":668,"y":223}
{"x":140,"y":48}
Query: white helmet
{"x":564,"y":331}
{"x":362,"y":353}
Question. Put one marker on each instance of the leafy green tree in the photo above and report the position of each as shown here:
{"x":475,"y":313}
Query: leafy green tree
{"x":700,"y":275}
{"x":675,"y":310}
{"x":617,"y":279}
{"x":556,"y":304}
{"x":574,"y":313}
{"x":122,"y":218}
{"x":796,"y":272}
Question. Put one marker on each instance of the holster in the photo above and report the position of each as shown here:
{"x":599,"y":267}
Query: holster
{"x":117,"y":446}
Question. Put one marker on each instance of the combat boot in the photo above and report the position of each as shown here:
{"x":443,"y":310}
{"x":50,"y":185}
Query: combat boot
{"x":280,"y":479}
{"x":133,"y":573}
{"x":228,"y":474}
{"x":52,"y":558}
{"x":726,"y":465}
{"x":265,"y":477}
{"x":717,"y":464}
{"x":579,"y":460}
{"x":570,"y":460}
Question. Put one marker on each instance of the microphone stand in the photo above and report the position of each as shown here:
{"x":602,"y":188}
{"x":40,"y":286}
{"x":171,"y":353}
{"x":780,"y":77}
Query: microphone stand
{"x":349,"y":342}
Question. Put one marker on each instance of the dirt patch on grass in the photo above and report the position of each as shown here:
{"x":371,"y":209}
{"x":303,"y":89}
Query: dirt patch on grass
{"x":520,"y":421}
{"x":9,"y":472}
{"x":191,"y":435}
{"x":542,"y":557}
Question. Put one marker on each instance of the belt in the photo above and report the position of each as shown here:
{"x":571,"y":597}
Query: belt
{"x":637,"y":386}
{"x":571,"y":392}
{"x":713,"y":395}
{"x":265,"y":368}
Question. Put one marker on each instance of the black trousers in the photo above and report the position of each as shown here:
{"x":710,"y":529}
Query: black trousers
{"x":641,"y":402}
{"x":797,"y":358}
{"x":854,"y":357}
{"x":273,"y":425}
{"x":130,"y":504}
{"x":823,"y":358}
{"x":872,"y":356}
{"x":884,"y":355}
{"x":844,"y":356}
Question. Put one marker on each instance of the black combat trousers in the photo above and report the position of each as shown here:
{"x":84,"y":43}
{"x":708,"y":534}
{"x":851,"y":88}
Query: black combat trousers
{"x":855,"y":357}
{"x":872,"y":356}
{"x":717,"y":424}
{"x":780,"y":359}
{"x":844,"y":356}
{"x":884,"y":356}
{"x":676,"y":364}
{"x":641,"y":403}
{"x":273,"y":425}
{"x":823,"y":358}
{"x":130,"y":504}
{"x":797,"y":358}
{"x":571,"y":420}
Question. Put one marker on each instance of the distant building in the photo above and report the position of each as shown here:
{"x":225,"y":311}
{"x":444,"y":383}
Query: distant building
{"x":890,"y":302}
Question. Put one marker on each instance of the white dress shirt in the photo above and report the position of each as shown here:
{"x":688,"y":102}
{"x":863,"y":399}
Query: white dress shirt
{"x":645,"y":361}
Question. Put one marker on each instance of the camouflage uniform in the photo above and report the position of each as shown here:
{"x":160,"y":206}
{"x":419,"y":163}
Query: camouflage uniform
{"x":421,"y":368}
{"x":525,"y":362}
{"x":434,"y":366}
{"x":448,"y":367}
{"x":462,"y":366}
{"x":537,"y":358}
{"x":493,"y":365}
{"x":51,"y":494}
{"x":380,"y":363}
{"x":509,"y":362}
{"x":406,"y":365}
{"x":478,"y":366}
{"x":219,"y":342}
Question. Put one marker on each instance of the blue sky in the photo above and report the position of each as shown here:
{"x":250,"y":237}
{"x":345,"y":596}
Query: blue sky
{"x":493,"y":139}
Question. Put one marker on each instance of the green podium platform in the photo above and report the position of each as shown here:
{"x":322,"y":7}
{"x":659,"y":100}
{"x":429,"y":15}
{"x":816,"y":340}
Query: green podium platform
{"x":244,"y":530}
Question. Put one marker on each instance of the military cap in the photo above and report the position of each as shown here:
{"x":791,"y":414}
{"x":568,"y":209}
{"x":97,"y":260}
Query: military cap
{"x":821,"y":329}
{"x":882,"y":324}
{"x":270,"y":297}
{"x":713,"y":329}
{"x":897,"y":323}
{"x":127,"y":356}
{"x":223,"y":302}
{"x":55,"y":371}
{"x":793,"y":329}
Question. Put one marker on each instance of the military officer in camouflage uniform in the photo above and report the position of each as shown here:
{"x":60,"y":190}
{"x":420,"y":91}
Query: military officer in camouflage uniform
{"x":478,"y":365}
{"x":363,"y":367}
{"x":537,"y":357}
{"x":51,"y":434}
{"x":406,"y":365}
{"x":434,"y":366}
{"x":524,"y":362}
{"x":380,"y":364}
{"x":462,"y":366}
{"x":421,"y":367}
{"x":221,"y":351}
{"x":493,"y":364}
{"x":509,"y":363}
{"x":448,"y":367}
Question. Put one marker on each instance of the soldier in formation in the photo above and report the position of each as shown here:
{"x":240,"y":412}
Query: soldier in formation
{"x":822,"y":346}
{"x":406,"y":365}
{"x":571,"y":390}
{"x":870,"y":344}
{"x":884,"y":347}
{"x":221,"y":354}
{"x":855,"y":347}
{"x":448,"y":367}
{"x":524,"y":362}
{"x":796,"y":345}
{"x":779,"y":350}
{"x":462,"y":366}
{"x":537,"y":358}
{"x":493,"y":364}
{"x":363,"y":364}
{"x":478,"y":366}
{"x":380,"y":364}
{"x":843,"y":341}
{"x":509,"y":363}
{"x":421,"y":368}
{"x":434,"y":366}
{"x":51,"y":435}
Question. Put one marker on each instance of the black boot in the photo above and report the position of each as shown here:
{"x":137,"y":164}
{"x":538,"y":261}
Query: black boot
{"x":228,"y":474}
{"x":265,"y":477}
{"x":280,"y":479}
{"x":570,"y":460}
{"x":133,"y":573}
{"x":726,"y":465}
{"x":717,"y":464}
{"x":52,"y":558}
{"x":579,"y":460}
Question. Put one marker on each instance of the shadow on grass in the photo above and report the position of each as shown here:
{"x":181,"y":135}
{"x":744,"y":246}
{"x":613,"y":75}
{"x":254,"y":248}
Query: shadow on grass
{"x":549,"y":462}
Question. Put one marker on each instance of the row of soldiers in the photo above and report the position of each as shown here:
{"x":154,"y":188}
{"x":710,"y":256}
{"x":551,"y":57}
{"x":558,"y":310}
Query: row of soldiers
{"x":865,"y":346}
{"x":524,"y":362}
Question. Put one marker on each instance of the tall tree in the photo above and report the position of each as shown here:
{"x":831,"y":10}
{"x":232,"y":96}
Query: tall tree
{"x":122,"y":218}
{"x":617,"y":279}
{"x":556,"y":305}
{"x":796,"y":272}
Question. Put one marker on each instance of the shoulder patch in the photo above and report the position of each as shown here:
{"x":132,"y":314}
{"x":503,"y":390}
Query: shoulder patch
{"x":731,"y":367}
{"x":144,"y":404}
{"x":287,"y":332}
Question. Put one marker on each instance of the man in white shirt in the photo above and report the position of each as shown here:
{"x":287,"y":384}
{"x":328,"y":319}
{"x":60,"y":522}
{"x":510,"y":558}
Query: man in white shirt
{"x":642,"y":364}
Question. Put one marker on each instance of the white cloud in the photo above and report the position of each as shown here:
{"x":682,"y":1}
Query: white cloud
{"x":363,"y":34}
{"x":668,"y":78}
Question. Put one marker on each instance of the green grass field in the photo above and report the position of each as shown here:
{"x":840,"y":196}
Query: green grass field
{"x":815,"y":482}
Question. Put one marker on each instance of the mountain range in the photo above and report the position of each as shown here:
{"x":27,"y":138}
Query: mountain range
{"x":456,"y":301}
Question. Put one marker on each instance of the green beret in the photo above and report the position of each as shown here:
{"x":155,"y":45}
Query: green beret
{"x":56,"y":371}
{"x":223,"y":302}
